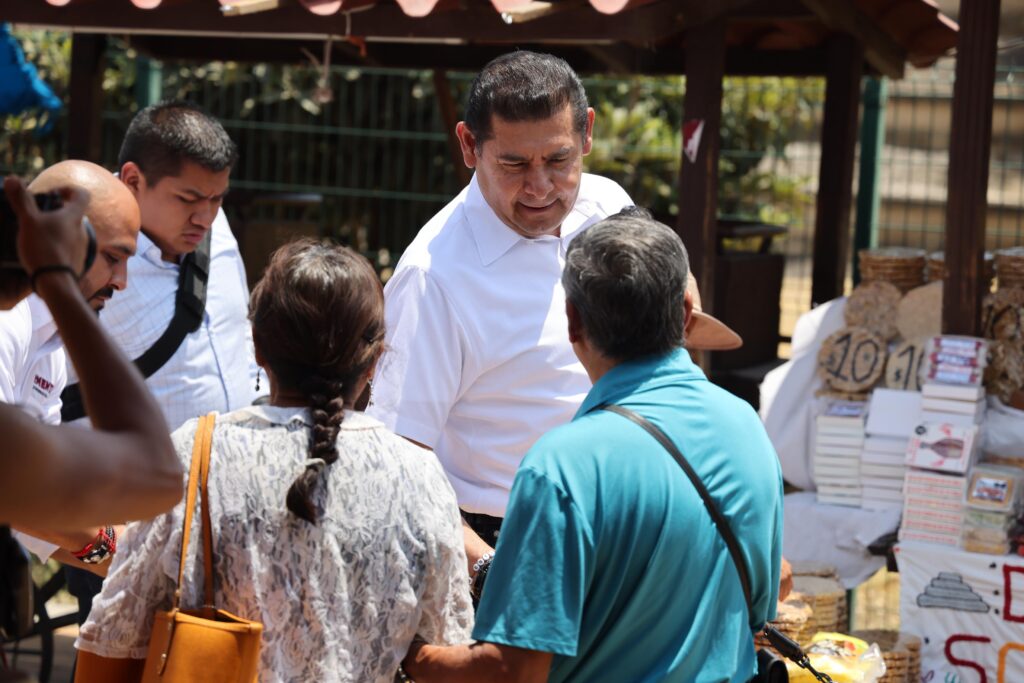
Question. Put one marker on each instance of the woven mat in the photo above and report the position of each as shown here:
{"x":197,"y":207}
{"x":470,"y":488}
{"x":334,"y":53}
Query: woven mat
{"x":899,"y":266}
{"x":1010,"y":267}
{"x":936,"y":269}
{"x":919,"y":313}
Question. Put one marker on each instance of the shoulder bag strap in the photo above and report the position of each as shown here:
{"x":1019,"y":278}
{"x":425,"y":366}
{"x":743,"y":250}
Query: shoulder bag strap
{"x":207,"y":526}
{"x":189,"y":307}
{"x":723,"y":525}
{"x":200,"y":452}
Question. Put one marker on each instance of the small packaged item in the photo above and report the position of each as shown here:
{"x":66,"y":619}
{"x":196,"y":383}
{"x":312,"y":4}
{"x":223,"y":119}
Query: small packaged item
{"x":843,"y":658}
{"x":985,"y":548}
{"x":944,"y":447}
{"x":982,"y":519}
{"x":956,"y":360}
{"x":994,"y":488}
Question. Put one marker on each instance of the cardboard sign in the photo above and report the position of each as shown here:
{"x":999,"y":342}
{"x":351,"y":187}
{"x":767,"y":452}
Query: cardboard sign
{"x":968,"y":610}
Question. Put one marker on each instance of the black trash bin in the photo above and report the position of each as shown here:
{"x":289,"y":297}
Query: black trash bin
{"x":748,"y":285}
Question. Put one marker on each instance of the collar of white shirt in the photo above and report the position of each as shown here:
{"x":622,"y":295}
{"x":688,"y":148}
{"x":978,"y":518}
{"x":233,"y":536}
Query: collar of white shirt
{"x":45,"y":337}
{"x":148,"y":250}
{"x":493,"y":238}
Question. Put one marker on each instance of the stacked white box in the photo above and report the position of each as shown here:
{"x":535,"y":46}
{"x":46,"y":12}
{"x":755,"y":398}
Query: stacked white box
{"x":839,"y":439}
{"x":892,"y":415}
{"x":933,"y":507}
{"x":960,"y":405}
{"x":944,"y":445}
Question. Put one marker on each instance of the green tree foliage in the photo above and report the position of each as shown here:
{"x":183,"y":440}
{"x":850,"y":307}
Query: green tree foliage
{"x":637,"y":138}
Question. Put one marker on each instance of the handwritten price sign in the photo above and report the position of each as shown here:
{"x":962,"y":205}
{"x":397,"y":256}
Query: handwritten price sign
{"x":852,"y":360}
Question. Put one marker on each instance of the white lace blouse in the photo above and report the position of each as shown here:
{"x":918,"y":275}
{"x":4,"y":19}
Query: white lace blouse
{"x":340,"y":601}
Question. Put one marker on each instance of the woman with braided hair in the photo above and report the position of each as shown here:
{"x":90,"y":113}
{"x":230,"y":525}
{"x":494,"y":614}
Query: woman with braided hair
{"x":342,"y":538}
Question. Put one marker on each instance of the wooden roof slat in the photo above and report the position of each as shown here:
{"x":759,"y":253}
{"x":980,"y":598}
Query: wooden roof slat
{"x":880,"y":49}
{"x":646,"y":34}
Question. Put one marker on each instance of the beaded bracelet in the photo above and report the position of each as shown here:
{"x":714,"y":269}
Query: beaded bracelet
{"x":402,"y":676}
{"x":485,"y":559}
{"x":480,"y":568}
{"x":101,"y":549}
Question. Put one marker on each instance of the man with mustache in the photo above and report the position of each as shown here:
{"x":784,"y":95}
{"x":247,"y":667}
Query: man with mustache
{"x":33,"y":359}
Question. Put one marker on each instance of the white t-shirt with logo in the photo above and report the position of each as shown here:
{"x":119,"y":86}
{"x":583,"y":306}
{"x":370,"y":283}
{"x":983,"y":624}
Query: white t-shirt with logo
{"x":32,"y":375}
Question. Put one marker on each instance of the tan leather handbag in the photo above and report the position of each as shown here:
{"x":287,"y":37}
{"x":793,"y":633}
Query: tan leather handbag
{"x":206,"y":645}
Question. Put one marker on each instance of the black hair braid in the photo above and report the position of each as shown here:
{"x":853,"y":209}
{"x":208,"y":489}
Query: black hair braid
{"x":327,"y":403}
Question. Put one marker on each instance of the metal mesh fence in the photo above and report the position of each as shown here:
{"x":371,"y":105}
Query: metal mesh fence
{"x":377,"y":153}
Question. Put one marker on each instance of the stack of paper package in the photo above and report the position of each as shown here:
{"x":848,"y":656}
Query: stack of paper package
{"x":892,"y":415}
{"x":992,"y":509}
{"x":943,"y":447}
{"x":837,"y":445}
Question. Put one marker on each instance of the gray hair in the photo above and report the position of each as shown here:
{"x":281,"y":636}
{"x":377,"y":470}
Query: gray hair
{"x":626,"y":276}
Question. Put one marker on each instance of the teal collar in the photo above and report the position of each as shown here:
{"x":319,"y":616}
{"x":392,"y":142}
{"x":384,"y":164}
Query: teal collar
{"x":639,"y":375}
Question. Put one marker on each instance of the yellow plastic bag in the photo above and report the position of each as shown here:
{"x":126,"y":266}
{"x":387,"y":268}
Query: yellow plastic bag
{"x":845,"y":658}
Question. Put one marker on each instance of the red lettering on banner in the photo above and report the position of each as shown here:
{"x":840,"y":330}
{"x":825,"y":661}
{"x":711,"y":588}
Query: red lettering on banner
{"x":1008,"y":614}
{"x":956,"y":661}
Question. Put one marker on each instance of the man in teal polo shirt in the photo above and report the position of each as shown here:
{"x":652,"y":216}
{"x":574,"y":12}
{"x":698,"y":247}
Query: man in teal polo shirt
{"x":609,"y":567}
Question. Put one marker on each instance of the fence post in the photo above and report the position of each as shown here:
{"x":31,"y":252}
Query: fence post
{"x":149,"y":75}
{"x":872,"y":139}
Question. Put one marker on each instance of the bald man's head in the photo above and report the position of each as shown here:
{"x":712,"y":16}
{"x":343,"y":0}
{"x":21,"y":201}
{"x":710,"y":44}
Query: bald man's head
{"x":114,"y":215}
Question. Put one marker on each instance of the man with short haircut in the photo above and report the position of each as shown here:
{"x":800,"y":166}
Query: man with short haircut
{"x":32,"y":357}
{"x":609,"y":566}
{"x":176,"y":160}
{"x":477,"y":366}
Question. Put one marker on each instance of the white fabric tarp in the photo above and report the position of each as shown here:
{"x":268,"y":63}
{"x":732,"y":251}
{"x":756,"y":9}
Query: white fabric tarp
{"x":787,"y":393}
{"x":1003,"y":431}
{"x":836,"y":535}
{"x":968,"y":610}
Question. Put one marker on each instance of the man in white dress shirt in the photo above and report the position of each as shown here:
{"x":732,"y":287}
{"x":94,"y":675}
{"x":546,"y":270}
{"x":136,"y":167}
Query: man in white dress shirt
{"x":176,"y":160}
{"x":478,"y":363}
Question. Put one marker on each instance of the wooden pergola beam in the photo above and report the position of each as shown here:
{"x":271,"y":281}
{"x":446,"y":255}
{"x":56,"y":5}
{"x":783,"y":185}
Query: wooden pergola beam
{"x":835,"y":175}
{"x":969,"y":148}
{"x":450,"y":116}
{"x":385,"y":21}
{"x":586,"y":59}
{"x":86,"y":96}
{"x":698,"y":179}
{"x":880,"y":49}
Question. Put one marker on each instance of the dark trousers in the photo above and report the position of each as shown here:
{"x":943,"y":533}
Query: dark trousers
{"x":485,"y":526}
{"x":85,"y":586}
